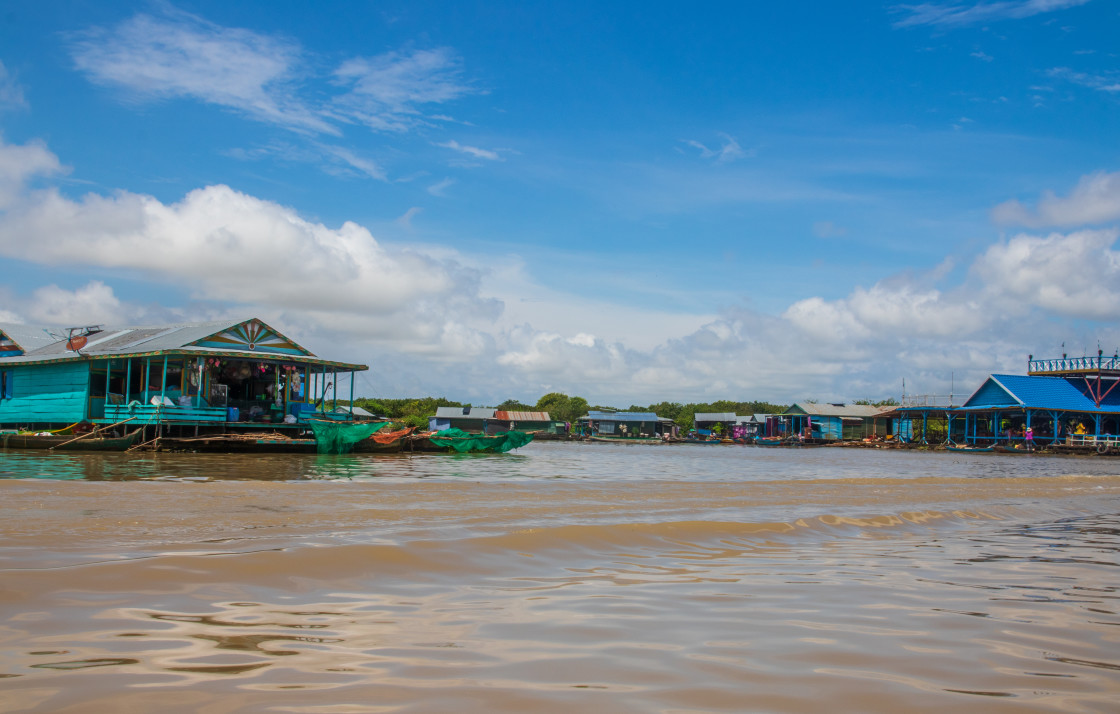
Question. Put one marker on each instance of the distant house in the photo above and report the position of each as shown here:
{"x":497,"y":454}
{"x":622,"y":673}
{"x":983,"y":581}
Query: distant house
{"x":485,"y":420}
{"x":628,"y":425}
{"x":716,"y":423}
{"x":836,"y":422}
{"x":357,"y":413}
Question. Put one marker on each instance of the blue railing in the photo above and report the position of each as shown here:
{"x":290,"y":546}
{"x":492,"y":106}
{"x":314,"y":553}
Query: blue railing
{"x":1074,"y":364}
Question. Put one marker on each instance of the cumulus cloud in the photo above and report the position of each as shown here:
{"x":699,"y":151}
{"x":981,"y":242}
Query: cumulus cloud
{"x":184,"y":56}
{"x":19,"y":164}
{"x":224,"y":245}
{"x":1094,"y":200}
{"x":93,"y":303}
{"x":954,"y":14}
{"x":1074,"y":276}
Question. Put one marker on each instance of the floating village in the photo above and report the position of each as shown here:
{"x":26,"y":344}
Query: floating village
{"x":242,"y":386}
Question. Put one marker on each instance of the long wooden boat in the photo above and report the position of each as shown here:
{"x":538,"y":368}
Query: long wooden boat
{"x":971,"y":449}
{"x":625,"y":440}
{"x":69,"y":442}
{"x":768,"y":441}
{"x":238,"y":444}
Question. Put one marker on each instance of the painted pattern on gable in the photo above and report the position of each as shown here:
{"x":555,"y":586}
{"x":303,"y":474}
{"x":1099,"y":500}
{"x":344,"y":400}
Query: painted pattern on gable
{"x":8,"y":347}
{"x":254,"y":336}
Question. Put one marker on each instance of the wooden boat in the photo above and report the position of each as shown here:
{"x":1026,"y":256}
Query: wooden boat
{"x":768,"y":441}
{"x":971,"y":449}
{"x":69,"y":442}
{"x":625,"y":440}
{"x":384,"y":442}
{"x":239,"y":444}
{"x":1011,"y":450}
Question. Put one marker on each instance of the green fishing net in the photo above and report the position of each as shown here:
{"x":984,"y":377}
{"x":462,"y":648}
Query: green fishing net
{"x":463,"y":442}
{"x":339,"y":437}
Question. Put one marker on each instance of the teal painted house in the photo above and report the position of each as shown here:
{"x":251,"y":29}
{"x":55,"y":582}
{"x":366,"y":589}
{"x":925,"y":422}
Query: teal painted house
{"x":242,"y":373}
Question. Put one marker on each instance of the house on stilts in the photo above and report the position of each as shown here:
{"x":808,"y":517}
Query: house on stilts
{"x":238,"y":375}
{"x":1066,"y":403}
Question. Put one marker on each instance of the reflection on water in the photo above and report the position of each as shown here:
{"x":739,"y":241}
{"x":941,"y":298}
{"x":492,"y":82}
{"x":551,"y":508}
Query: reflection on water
{"x":621,"y":580}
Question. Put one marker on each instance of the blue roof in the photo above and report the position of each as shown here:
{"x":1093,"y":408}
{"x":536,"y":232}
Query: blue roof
{"x":1014,"y":390}
{"x":623,"y":416}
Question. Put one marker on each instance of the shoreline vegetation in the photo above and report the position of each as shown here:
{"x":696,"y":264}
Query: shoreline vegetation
{"x":414,"y":411}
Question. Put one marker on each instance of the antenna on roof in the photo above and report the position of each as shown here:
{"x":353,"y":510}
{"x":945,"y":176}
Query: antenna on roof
{"x":78,"y":337}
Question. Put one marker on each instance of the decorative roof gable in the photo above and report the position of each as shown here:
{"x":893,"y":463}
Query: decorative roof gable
{"x":255,"y":336}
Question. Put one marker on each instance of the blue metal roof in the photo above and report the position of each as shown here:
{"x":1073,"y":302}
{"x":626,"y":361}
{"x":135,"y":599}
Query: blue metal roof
{"x":623,"y":416}
{"x":1014,"y":390}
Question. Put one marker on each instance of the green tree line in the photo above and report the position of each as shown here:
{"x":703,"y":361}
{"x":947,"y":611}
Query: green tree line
{"x":561,"y":407}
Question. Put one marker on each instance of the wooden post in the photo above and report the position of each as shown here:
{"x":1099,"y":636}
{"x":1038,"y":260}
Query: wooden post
{"x":128,"y":381}
{"x":352,"y":394}
{"x":163,"y":382}
{"x":147,"y":385}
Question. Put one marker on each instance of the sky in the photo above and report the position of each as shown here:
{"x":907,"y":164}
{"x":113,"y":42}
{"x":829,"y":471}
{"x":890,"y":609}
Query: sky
{"x":629,"y":202}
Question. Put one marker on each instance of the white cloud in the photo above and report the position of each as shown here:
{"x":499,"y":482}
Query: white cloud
{"x":11,"y":93}
{"x":1094,"y":200}
{"x":1109,"y":82}
{"x":92,"y":304}
{"x":19,"y":164}
{"x":960,"y":14}
{"x":365,"y":166}
{"x":472,"y":151}
{"x":387,"y":90}
{"x":729,"y":150}
{"x":189,"y":57}
{"x":261,"y":76}
{"x":228,"y":247}
{"x":981,"y":55}
{"x":1074,"y":276}
{"x":440,"y":187}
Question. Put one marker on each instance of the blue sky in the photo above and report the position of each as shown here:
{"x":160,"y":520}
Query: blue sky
{"x":629,"y":202}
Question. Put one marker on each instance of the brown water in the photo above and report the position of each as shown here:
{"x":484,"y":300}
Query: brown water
{"x":560,"y":578}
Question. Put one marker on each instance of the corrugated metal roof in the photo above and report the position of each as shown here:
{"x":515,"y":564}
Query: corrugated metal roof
{"x":623,"y":416}
{"x":136,"y":340}
{"x":522,"y":416}
{"x":470,"y":413}
{"x":1032,"y":392}
{"x":714,"y":416}
{"x":862,"y":411}
{"x":30,"y":337}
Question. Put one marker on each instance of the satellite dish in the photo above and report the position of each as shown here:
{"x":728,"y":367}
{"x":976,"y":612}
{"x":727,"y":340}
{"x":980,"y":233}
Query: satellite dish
{"x":76,"y":342}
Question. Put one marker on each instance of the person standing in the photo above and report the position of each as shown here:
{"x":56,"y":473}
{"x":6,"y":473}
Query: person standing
{"x":1028,"y":438}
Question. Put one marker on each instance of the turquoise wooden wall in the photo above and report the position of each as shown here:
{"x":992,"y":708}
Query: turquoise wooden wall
{"x":46,"y":394}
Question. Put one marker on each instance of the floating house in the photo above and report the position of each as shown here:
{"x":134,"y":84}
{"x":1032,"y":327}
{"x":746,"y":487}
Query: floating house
{"x":717,"y":424}
{"x":239,"y":373}
{"x":628,"y":425}
{"x":482,"y":420}
{"x":1072,"y":401}
{"x":835,"y":422}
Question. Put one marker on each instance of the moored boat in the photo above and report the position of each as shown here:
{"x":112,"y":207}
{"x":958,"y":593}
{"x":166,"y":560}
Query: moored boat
{"x":69,"y":442}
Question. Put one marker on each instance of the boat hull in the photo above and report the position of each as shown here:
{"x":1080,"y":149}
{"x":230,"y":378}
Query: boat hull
{"x":69,"y":442}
